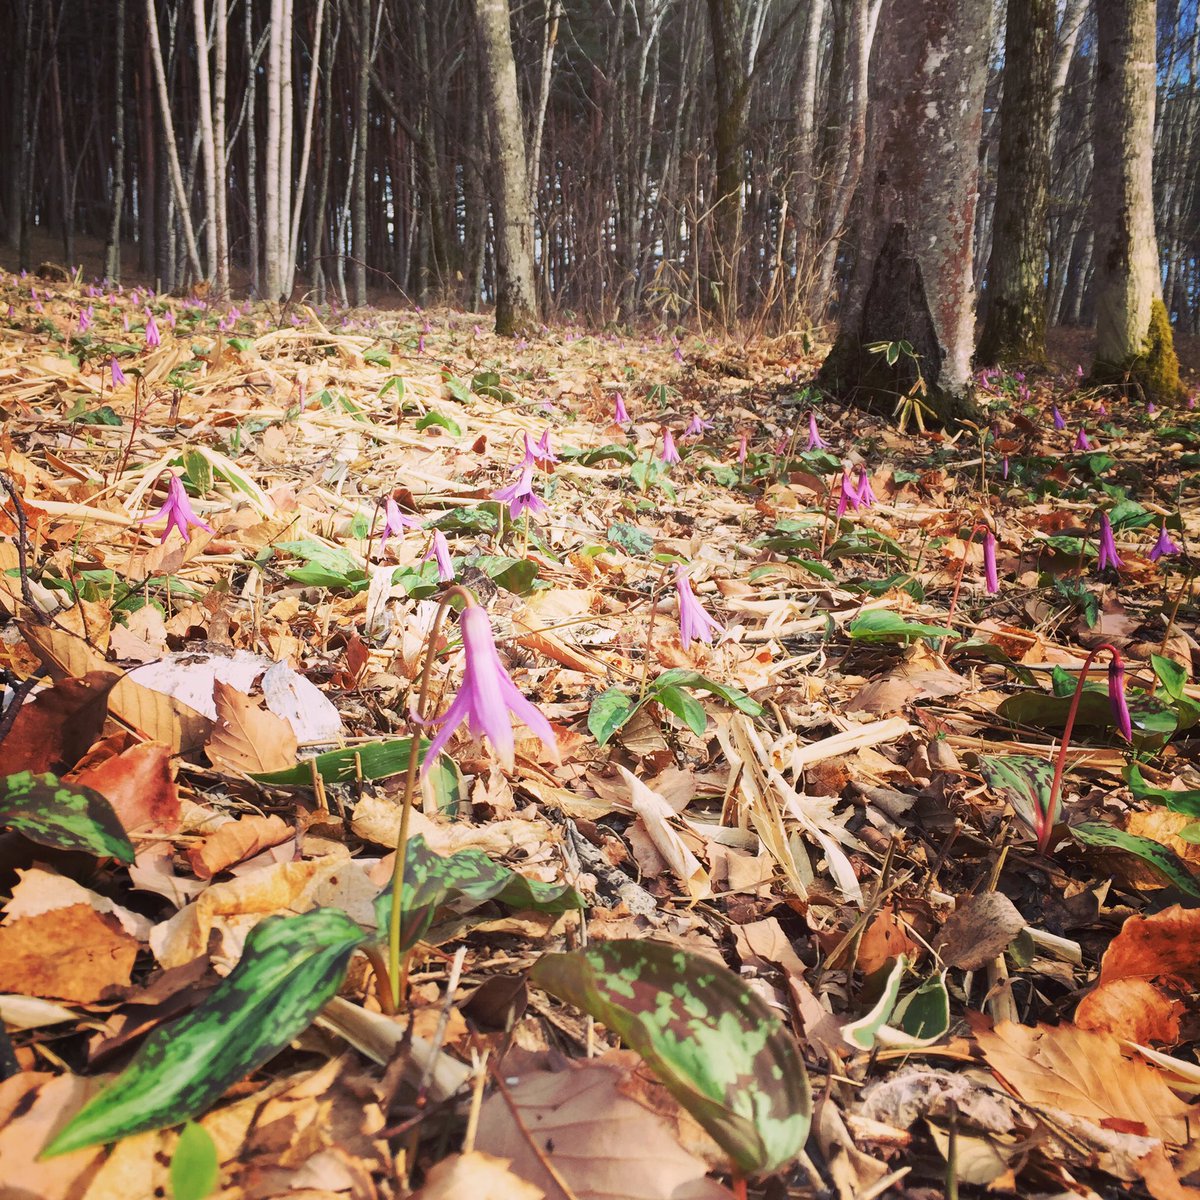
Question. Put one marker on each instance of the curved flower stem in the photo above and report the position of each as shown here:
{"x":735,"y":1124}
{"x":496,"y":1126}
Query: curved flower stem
{"x":1047,"y":819}
{"x":962,"y":567}
{"x":655,"y":597}
{"x":410,"y":784}
{"x":371,"y":534}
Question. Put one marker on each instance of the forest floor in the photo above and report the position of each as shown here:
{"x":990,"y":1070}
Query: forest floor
{"x":828,"y":815}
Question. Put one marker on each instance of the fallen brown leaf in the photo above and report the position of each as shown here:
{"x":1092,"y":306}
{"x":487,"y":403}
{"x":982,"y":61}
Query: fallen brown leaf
{"x":479,"y":1175}
{"x":236,"y":841}
{"x":53,"y":730}
{"x":140,"y":785}
{"x":247,"y":736}
{"x":979,"y":929}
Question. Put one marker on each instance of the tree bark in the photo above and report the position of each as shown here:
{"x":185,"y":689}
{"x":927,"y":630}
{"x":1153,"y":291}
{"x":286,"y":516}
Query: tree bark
{"x":1130,"y":345}
{"x":516,"y":295}
{"x":913,"y":277}
{"x":272,"y":186}
{"x":358,"y":219}
{"x":208,"y":146}
{"x":220,"y":74}
{"x":1015,"y":327}
{"x":112,"y":250}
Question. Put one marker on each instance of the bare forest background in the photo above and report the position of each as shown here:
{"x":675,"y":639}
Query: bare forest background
{"x":682,"y":158}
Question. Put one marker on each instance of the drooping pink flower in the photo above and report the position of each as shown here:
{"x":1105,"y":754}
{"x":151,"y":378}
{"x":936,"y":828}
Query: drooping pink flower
{"x":487,"y":697}
{"x":1116,"y":697}
{"x":545,"y":453}
{"x":1004,"y":467}
{"x":1081,"y":440}
{"x":1150,"y":408}
{"x":669,"y":453}
{"x":118,"y":376}
{"x":696,"y":426}
{"x":394,"y":521}
{"x":1079,"y":370}
{"x":1108,"y":547}
{"x":85,"y":319}
{"x":153,"y":337}
{"x":848,"y":496}
{"x":439,"y":548}
{"x":1165,"y":546}
{"x":815,"y":440}
{"x":1057,"y":417}
{"x":989,"y":563}
{"x":695,"y":625}
{"x":864,"y":492}
{"x":519,"y":495}
{"x":178,"y":513}
{"x":741,"y":451}
{"x":620,"y":415}
{"x":677,"y":353}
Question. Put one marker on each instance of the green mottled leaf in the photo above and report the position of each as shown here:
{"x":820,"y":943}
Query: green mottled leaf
{"x":466,"y":879}
{"x":1162,"y":858}
{"x":375,"y":760}
{"x":630,"y":538}
{"x":195,"y":1169}
{"x":610,"y":453}
{"x":1186,"y":802}
{"x":864,"y":1032}
{"x":377,"y":357}
{"x":682,"y":677}
{"x":431,"y":418}
{"x":63,"y":815}
{"x":879,"y":625}
{"x":1025,"y":782}
{"x":513,"y":574}
{"x":1153,"y":722}
{"x":687,"y":708}
{"x":291,"y":967}
{"x":608,"y":712}
{"x":718,"y":1048}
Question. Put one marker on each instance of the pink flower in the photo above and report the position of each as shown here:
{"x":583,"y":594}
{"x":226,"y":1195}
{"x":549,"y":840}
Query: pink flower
{"x":394,"y":521}
{"x":440,"y":549}
{"x":620,"y":415}
{"x":118,"y":376}
{"x":695,"y":625}
{"x":85,"y":319}
{"x":696,"y":426}
{"x":669,"y":453}
{"x":1079,"y":370}
{"x":487,"y":697}
{"x":1150,"y":409}
{"x":866,"y":497}
{"x":677,"y":353}
{"x":1004,"y":467}
{"x":848,"y":498}
{"x":815,"y":440}
{"x":153,"y":337}
{"x":545,"y":454}
{"x":989,"y":563}
{"x":1116,"y":697}
{"x":1165,"y":546}
{"x":741,"y":451}
{"x":1059,"y":423}
{"x":519,"y":495}
{"x":1081,"y":440}
{"x":178,"y":512}
{"x":1108,"y":546}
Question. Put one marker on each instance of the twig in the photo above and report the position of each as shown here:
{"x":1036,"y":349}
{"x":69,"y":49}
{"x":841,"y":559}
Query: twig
{"x":22,"y":548}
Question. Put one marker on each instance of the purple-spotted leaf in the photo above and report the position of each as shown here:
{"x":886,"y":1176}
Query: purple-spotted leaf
{"x":1025,"y":782}
{"x":714,"y":1043}
{"x":66,"y":816}
{"x":1162,"y":858}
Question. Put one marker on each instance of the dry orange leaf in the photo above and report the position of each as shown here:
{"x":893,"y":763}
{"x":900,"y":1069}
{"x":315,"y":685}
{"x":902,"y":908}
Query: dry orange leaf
{"x":72,"y":953}
{"x":1086,"y":1074}
{"x":1133,"y":1010}
{"x":53,"y":731}
{"x":236,"y":841}
{"x":476,"y":1174}
{"x":140,"y":785}
{"x":247,"y":736}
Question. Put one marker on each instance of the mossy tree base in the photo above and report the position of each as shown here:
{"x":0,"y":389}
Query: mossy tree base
{"x":1152,"y":375}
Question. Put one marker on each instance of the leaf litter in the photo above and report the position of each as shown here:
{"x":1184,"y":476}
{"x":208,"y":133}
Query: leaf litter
{"x":814,"y":747}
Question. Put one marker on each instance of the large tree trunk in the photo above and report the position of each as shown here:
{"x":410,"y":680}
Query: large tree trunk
{"x":359,"y":215}
{"x":208,"y":144}
{"x":913,"y":278}
{"x":112,"y":251}
{"x":1133,"y":334}
{"x":1015,"y":327}
{"x":516,"y":296}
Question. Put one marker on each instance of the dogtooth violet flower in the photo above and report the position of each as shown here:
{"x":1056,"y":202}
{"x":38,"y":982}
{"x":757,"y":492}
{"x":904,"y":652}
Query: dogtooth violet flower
{"x":545,"y":454}
{"x":815,"y":440}
{"x":394,"y":521}
{"x":153,"y":337}
{"x":620,"y":415}
{"x":848,"y":496}
{"x":696,"y":426}
{"x":989,"y":563}
{"x":695,"y":625}
{"x":178,"y":512}
{"x":1108,"y":546}
{"x":1165,"y":546}
{"x":118,"y":376}
{"x":1081,"y":440}
{"x":741,"y":450}
{"x":519,"y":495}
{"x":1059,"y":423}
{"x":1116,"y":697}
{"x":864,"y":492}
{"x":487,"y":697}
{"x":669,"y":453}
{"x":439,"y":549}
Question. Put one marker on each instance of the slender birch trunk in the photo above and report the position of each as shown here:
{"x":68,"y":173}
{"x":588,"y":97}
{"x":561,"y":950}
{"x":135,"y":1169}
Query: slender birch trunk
{"x":112,"y":250}
{"x":208,"y":146}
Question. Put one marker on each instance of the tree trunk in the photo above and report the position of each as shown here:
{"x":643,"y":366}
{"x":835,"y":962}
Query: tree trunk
{"x":220,"y":73}
{"x":359,"y":215}
{"x":208,"y":145}
{"x":272,"y":259}
{"x":1015,"y":328}
{"x":252,"y":148}
{"x":1133,"y":334}
{"x":112,"y":251}
{"x":516,"y":296}
{"x":913,"y":278}
{"x":310,"y":109}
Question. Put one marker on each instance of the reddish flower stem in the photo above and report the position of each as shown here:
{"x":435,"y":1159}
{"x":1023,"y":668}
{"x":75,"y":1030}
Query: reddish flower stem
{"x":1046,"y":820}
{"x":962,"y":567}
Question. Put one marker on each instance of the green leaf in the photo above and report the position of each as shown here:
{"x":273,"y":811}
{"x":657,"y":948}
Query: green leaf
{"x":333,"y":559}
{"x":394,"y":384}
{"x":103,"y":415}
{"x":1186,"y":802}
{"x":608,"y":712}
{"x":924,"y":1014}
{"x":682,"y":677}
{"x":610,"y":453}
{"x":1162,"y":858}
{"x":290,"y":969}
{"x":199,"y":472}
{"x":436,"y":418}
{"x":376,"y":357}
{"x":715,"y":1044}
{"x":879,"y":625}
{"x":866,"y":541}
{"x":467,"y":879}
{"x":1170,"y":674}
{"x":1153,"y":722}
{"x":864,"y":1032}
{"x":630,"y":538}
{"x":687,"y":708}
{"x":66,"y":816}
{"x":1025,"y":782}
{"x":195,"y":1169}
{"x":513,"y":574}
{"x":1129,"y":514}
